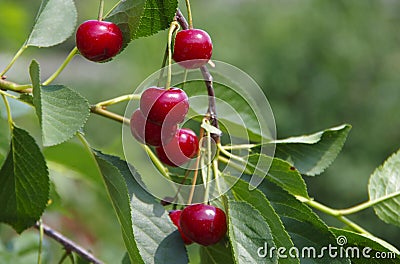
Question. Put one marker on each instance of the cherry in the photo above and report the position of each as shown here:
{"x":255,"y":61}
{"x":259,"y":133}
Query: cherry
{"x":203,"y":224}
{"x":180,"y":149}
{"x":163,"y":106}
{"x":150,"y":133}
{"x":98,"y":40}
{"x":175,"y":216}
{"x":193,"y":48}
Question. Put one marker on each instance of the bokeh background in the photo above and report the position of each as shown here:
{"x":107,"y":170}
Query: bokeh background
{"x":320,"y":63}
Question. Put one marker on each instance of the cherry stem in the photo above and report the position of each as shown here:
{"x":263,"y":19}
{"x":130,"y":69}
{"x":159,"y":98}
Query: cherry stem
{"x":67,"y":60}
{"x":111,"y":115}
{"x":8,"y":109}
{"x":101,"y":10}
{"x":16,"y":56}
{"x":196,"y":171}
{"x":118,"y":99}
{"x":174,"y":26}
{"x":68,"y":244}
{"x":189,"y":11}
{"x":207,"y":191}
{"x":164,"y":62}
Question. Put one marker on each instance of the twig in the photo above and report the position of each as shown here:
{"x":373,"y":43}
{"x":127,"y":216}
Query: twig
{"x":68,"y":244}
{"x":208,"y":79}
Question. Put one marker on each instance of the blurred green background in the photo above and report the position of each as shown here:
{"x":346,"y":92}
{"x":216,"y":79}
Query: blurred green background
{"x":320,"y":63}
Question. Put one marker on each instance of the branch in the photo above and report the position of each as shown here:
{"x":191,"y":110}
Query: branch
{"x":68,"y":244}
{"x":208,"y":79}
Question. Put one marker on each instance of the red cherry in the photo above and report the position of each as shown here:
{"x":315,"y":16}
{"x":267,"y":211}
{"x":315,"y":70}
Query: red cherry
{"x":98,"y":40}
{"x":175,"y":215}
{"x":163,"y":106}
{"x":203,"y":224}
{"x":193,"y":48}
{"x":180,"y":149}
{"x":150,"y":133}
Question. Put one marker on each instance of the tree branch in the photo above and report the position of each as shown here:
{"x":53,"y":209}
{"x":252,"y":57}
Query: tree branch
{"x":208,"y":79}
{"x":68,"y":244}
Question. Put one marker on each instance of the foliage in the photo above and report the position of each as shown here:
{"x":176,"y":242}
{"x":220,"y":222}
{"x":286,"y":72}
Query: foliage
{"x":278,"y":213}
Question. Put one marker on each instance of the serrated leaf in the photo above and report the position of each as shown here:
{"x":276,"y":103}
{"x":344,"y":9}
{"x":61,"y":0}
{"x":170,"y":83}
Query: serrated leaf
{"x":217,"y":253}
{"x":140,"y":18}
{"x":146,"y":226}
{"x":280,"y":172}
{"x":258,"y":200}
{"x":356,"y":247}
{"x":24,"y":182}
{"x":385,"y":182}
{"x":312,"y":154}
{"x":55,"y":22}
{"x":306,"y":229}
{"x":248,"y":231}
{"x":61,"y":111}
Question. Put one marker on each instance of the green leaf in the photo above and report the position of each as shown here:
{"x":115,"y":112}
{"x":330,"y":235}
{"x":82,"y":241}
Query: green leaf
{"x":24,"y":182}
{"x":248,"y":231}
{"x":385,"y":182}
{"x":54,"y":23}
{"x":258,"y":200}
{"x":312,"y":154}
{"x":356,"y":247}
{"x":280,"y":172}
{"x":61,"y":111}
{"x":217,"y":253}
{"x":141,"y":18}
{"x":303,"y":225}
{"x":149,"y":235}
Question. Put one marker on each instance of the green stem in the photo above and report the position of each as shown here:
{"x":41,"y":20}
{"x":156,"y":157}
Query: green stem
{"x":40,"y":242}
{"x":8,"y":109}
{"x":368,"y":204}
{"x":230,"y":155}
{"x":216,"y":174}
{"x":101,"y":10}
{"x":119,"y":99}
{"x":189,"y":11}
{"x":6,"y":85}
{"x":164,"y":62}
{"x":234,"y":165}
{"x":115,"y":6}
{"x":156,"y":161}
{"x":9,"y":95}
{"x":73,"y":52}
{"x":172,"y":28}
{"x":335,"y":213}
{"x":207,"y":191}
{"x":108,"y":114}
{"x":16,"y":56}
{"x":243,"y":146}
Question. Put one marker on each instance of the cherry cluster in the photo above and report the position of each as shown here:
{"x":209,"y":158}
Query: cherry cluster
{"x":156,"y":121}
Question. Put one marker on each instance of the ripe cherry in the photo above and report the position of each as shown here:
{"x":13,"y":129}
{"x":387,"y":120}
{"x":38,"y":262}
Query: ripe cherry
{"x":203,"y":224}
{"x":98,"y":40}
{"x":180,"y":149}
{"x":193,"y":48}
{"x":163,"y":106}
{"x":150,"y":133}
{"x":175,"y":216}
